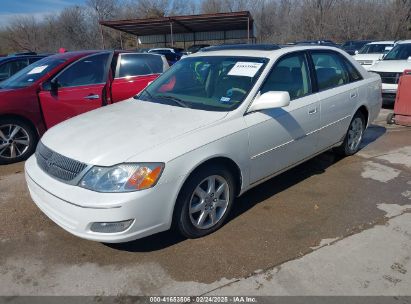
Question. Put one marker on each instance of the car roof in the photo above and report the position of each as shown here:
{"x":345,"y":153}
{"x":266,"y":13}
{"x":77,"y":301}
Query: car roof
{"x":14,"y":57}
{"x":76,"y":54}
{"x":271,"y":54}
{"x":404,"y":42}
{"x":382,"y":42}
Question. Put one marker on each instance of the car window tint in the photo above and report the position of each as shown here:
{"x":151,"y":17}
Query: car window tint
{"x":290,"y":74}
{"x":140,"y":64}
{"x":11,"y":68}
{"x":87,"y":71}
{"x":215,"y":83}
{"x":330,"y":70}
{"x":17,"y":65}
{"x":34,"y":59}
{"x":352,"y":71}
{"x":5,"y":70}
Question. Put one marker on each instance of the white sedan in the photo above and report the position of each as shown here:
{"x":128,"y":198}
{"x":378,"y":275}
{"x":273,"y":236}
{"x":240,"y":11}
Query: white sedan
{"x":215,"y":125}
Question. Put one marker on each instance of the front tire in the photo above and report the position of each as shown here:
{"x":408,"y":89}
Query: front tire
{"x":352,"y":140}
{"x":18,"y":140}
{"x":204,"y":201}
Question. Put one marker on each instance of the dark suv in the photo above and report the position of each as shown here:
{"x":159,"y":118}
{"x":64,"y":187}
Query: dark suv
{"x":11,"y":64}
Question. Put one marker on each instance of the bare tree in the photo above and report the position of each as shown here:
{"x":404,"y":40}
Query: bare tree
{"x":23,"y":34}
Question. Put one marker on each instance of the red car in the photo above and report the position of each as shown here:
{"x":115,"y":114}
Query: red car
{"x":61,"y":86}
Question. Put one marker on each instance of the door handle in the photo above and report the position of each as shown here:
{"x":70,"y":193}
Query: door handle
{"x":353,"y":95}
{"x":92,"y":97}
{"x":312,"y":111}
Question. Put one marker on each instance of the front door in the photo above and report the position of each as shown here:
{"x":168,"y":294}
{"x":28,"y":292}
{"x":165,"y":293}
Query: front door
{"x":279,"y":138}
{"x":81,"y":88}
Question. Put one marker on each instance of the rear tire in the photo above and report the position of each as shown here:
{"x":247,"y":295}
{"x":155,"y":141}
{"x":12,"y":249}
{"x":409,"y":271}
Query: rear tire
{"x":391,"y":119}
{"x":18,"y":140}
{"x":353,"y":137}
{"x":204,"y":201}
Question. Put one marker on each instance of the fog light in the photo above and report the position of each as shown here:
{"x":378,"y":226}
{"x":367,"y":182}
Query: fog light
{"x":111,"y":227}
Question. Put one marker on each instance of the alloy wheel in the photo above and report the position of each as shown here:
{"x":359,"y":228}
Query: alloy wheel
{"x":209,"y":202}
{"x":14,"y":141}
{"x":355,"y":134}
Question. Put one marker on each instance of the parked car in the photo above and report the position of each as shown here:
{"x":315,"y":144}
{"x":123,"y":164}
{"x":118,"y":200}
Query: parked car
{"x":316,"y":42}
{"x":354,"y":45}
{"x":195,"y":48}
{"x":172,"y":55}
{"x":61,"y":86}
{"x":212,"y":127}
{"x":11,"y":64}
{"x":391,"y":68}
{"x":372,"y":52}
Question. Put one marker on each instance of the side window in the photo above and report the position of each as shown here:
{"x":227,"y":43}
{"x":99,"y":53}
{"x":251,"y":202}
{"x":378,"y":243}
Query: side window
{"x":87,"y":71}
{"x":5,"y":70}
{"x":134,"y":65}
{"x":330,"y":70}
{"x":352,"y":71}
{"x":34,"y":59}
{"x":290,"y":74}
{"x":17,"y":65}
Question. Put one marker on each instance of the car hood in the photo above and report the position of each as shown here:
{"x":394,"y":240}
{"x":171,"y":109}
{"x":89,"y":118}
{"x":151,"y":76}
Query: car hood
{"x":367,"y":57}
{"x":113,"y":134}
{"x":397,"y":66}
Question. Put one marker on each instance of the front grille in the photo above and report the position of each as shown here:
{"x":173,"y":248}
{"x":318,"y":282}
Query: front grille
{"x":389,"y":77}
{"x":57,"y":165}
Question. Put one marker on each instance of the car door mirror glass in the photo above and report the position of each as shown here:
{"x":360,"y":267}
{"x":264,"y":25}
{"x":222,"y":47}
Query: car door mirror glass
{"x":356,"y":52}
{"x":270,"y":100}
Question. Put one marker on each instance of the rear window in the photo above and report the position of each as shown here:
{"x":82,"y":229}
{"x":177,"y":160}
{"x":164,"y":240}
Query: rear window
{"x":139,"y":64}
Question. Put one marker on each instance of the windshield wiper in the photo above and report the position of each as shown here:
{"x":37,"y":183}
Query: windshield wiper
{"x":175,"y":99}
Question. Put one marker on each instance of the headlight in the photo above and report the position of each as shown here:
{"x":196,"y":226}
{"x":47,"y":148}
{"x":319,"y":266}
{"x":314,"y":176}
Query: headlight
{"x":122,"y":178}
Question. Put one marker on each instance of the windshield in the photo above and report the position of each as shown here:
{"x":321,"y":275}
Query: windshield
{"x":31,"y":73}
{"x":399,"y":52}
{"x":374,"y":48}
{"x":213,"y":83}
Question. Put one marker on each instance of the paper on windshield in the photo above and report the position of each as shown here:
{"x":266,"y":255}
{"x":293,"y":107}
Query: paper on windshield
{"x":248,"y":69}
{"x":38,"y":69}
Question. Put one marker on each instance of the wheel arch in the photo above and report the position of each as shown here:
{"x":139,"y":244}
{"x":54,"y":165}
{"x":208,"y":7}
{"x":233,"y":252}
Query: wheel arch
{"x":363,"y":109}
{"x":24,"y":119}
{"x":225,"y":161}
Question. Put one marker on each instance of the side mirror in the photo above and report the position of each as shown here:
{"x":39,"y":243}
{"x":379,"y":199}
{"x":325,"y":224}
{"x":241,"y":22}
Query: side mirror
{"x":54,"y":87}
{"x":270,"y":100}
{"x":409,"y":59}
{"x":356,"y":52}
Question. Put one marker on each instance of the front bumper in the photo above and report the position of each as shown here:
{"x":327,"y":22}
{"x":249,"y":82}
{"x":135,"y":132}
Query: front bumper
{"x":75,"y":209}
{"x":389,"y":92}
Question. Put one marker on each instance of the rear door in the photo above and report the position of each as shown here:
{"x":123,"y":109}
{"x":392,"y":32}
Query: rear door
{"x":338,"y":92}
{"x":133,"y":73}
{"x":81,"y":88}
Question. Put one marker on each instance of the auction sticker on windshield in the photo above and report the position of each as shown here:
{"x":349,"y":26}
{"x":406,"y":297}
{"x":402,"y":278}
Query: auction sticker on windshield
{"x":248,"y":69}
{"x":38,"y":69}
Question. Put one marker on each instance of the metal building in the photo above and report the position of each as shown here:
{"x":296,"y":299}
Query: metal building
{"x":188,"y":28}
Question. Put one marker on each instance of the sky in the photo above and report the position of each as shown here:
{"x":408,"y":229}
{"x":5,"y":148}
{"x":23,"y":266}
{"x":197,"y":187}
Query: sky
{"x":36,"y":8}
